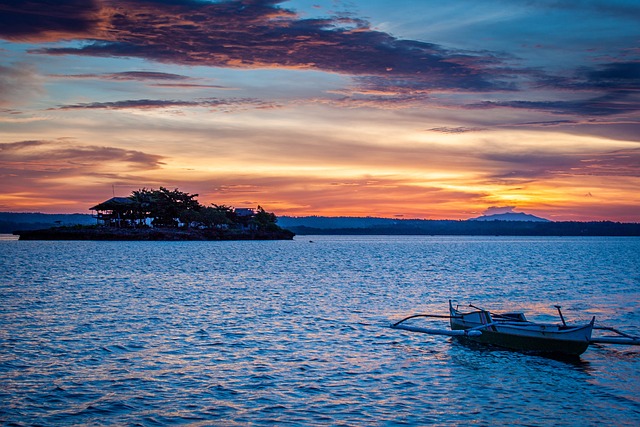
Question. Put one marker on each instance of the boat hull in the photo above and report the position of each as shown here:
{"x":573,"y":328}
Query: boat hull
{"x":532,"y":344}
{"x":522,"y":335}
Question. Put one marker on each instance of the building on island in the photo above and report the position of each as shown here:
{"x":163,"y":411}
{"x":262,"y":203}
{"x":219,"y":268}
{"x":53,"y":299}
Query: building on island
{"x":242,"y":212}
{"x":115,"y":212}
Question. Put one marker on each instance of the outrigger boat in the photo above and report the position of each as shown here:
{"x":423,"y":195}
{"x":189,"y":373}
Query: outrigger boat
{"x":514,"y":331}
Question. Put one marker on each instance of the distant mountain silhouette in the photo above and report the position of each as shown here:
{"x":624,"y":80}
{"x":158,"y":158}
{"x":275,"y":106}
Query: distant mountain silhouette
{"x":510,"y":216}
{"x":11,"y":221}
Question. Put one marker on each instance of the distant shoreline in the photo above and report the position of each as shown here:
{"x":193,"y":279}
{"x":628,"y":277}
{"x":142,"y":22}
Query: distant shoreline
{"x":482,"y":228}
{"x":149,"y":234}
{"x":317,"y":225}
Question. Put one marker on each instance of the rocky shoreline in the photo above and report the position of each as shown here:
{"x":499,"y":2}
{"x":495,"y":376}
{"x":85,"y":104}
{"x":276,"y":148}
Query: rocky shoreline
{"x":150,"y":234}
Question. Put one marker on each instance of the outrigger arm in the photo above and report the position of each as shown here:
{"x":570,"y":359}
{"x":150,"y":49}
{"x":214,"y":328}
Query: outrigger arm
{"x":474,"y":332}
{"x":623,"y":338}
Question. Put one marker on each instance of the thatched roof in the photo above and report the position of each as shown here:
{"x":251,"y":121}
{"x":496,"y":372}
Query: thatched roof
{"x":114,"y":203}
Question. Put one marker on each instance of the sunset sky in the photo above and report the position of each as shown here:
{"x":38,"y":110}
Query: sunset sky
{"x":414,"y":109}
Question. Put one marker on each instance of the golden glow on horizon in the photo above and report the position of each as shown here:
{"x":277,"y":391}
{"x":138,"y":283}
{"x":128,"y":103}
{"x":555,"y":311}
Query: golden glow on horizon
{"x":357,"y":165}
{"x":435,"y":191}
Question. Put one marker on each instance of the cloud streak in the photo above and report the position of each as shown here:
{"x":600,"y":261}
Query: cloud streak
{"x":127,"y":76}
{"x":608,"y":105}
{"x":151,"y":78}
{"x":455,"y":130}
{"x":42,"y":154}
{"x":227,"y":104}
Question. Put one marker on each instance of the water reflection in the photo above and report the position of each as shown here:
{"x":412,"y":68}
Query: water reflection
{"x":487,"y":350}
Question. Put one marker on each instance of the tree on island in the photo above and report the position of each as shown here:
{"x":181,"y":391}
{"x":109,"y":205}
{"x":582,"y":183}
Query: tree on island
{"x":171,"y":208}
{"x":264,"y":221}
{"x":164,"y":206}
{"x":214,"y":216}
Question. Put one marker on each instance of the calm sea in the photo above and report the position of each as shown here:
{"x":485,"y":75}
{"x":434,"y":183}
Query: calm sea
{"x":296,"y":332}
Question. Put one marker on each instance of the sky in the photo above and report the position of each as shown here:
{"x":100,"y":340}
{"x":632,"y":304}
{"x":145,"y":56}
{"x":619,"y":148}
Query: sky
{"x":400,"y":109}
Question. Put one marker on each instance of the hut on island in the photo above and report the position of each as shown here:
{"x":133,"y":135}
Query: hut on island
{"x":115,"y":212}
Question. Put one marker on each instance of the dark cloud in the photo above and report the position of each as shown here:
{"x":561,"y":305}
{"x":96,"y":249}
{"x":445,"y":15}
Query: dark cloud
{"x":610,"y":104}
{"x":621,"y":76}
{"x":190,"y":85}
{"x":458,"y":129}
{"x":56,"y":154}
{"x":260,"y":33}
{"x":48,"y":19}
{"x":227,"y":104}
{"x":127,"y":76}
{"x":177,"y":80}
{"x":612,"y":76}
{"x":546,"y":123}
{"x":388,"y":101}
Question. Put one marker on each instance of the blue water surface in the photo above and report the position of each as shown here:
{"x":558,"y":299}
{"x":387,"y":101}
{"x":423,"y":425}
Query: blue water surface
{"x":296,"y":332}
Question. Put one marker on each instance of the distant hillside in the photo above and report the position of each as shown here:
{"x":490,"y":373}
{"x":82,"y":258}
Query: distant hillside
{"x":13,"y":221}
{"x":510,"y":216}
{"x":383,"y":226}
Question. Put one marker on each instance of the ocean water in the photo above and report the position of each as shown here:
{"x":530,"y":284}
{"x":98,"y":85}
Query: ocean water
{"x":296,"y":333}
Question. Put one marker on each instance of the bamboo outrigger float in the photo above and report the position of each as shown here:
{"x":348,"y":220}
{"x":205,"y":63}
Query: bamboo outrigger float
{"x":514,"y":331}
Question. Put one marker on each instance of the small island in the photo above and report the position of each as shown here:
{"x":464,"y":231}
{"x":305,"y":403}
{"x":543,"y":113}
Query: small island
{"x":163,"y":214}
